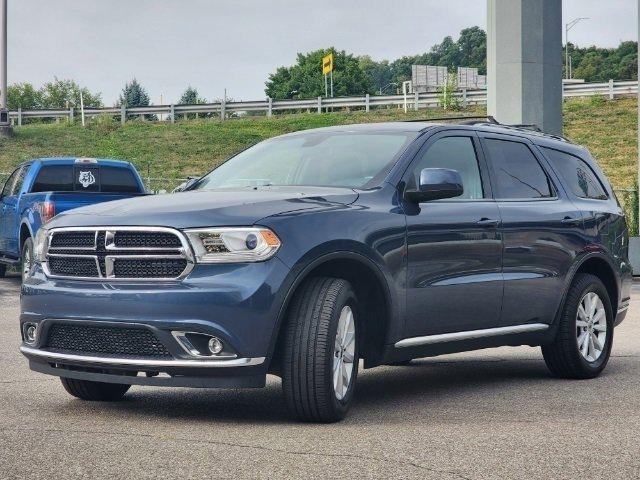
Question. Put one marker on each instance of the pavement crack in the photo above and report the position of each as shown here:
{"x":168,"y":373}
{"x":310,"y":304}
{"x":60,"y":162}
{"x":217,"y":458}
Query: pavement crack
{"x":285,"y":451}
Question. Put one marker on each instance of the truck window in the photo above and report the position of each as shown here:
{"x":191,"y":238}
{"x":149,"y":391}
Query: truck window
{"x":20,"y":180}
{"x":7,"y":190}
{"x":54,"y":178}
{"x":118,"y":180}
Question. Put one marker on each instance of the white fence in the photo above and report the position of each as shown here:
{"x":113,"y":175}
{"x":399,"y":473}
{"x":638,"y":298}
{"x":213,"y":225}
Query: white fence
{"x":269,"y":106}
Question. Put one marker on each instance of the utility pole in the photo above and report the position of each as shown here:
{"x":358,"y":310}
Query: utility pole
{"x":567,"y":60}
{"x":5,"y":126}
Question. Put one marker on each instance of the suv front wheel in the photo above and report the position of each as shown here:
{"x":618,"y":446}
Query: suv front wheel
{"x":26,"y":261}
{"x":585,"y":332}
{"x":320,"y":357}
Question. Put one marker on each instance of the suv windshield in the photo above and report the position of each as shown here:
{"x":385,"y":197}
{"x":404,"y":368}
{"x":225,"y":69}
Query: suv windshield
{"x":334,"y":159}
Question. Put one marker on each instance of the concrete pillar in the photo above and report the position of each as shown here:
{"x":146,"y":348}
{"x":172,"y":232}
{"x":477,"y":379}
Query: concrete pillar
{"x":5,"y":124}
{"x":524,"y":62}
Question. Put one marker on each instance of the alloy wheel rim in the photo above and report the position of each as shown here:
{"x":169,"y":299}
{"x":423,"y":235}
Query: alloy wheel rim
{"x":344,"y":352}
{"x":591,"y":327}
{"x":26,"y":262}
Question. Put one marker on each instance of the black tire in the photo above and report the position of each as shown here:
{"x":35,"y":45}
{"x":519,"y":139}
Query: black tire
{"x":563,"y":357}
{"x":309,"y":349}
{"x":94,"y":391}
{"x":3,"y":270}
{"x":26,"y":255}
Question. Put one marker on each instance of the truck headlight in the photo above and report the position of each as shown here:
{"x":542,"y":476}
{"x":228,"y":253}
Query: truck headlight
{"x":40,"y":245}
{"x":233,"y":245}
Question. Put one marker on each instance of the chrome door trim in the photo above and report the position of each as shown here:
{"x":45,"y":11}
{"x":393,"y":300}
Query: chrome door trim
{"x":470,"y":335}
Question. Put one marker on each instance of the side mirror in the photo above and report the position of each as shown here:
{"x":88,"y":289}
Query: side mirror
{"x":436,"y":184}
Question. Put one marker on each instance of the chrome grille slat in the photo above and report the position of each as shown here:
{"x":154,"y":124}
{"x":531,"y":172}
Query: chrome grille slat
{"x":142,"y":256}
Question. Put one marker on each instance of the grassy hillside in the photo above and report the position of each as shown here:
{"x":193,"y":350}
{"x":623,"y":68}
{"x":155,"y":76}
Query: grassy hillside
{"x":193,"y":147}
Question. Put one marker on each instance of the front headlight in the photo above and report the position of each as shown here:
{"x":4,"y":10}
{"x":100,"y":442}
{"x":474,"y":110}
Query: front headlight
{"x":233,"y":245}
{"x":40,"y":245}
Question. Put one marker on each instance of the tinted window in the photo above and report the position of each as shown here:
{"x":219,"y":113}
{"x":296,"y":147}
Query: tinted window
{"x":580,"y":179}
{"x":54,"y":178}
{"x":518,"y":173}
{"x":9,"y":184}
{"x":118,"y":180}
{"x":20,"y":179}
{"x":456,"y":153}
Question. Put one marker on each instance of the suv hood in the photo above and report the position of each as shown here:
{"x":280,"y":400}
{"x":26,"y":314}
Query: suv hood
{"x":203,"y":208}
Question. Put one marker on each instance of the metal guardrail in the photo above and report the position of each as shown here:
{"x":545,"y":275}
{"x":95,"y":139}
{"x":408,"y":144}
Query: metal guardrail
{"x":269,"y":106}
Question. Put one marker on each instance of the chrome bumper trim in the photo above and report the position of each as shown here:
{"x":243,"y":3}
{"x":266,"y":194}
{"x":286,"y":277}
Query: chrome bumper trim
{"x":134,"y":362}
{"x":470,"y":335}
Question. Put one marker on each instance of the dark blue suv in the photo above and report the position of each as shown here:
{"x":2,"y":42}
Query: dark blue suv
{"x":309,"y":252}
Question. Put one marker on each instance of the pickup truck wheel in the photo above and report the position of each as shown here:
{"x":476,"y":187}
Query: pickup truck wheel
{"x":320,"y":358}
{"x":94,"y":391}
{"x":585,"y":334}
{"x":26,"y":258}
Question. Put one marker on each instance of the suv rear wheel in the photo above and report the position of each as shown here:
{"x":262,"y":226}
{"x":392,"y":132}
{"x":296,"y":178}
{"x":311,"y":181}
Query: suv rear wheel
{"x":94,"y":391}
{"x":585,"y":335}
{"x":320,"y":357}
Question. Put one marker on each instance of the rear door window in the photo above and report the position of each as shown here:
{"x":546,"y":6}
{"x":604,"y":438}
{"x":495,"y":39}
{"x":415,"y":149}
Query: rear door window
{"x":517,"y":171}
{"x":579,"y":176}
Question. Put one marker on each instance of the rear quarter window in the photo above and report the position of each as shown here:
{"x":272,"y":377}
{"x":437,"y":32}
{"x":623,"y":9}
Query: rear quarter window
{"x":577,"y":175}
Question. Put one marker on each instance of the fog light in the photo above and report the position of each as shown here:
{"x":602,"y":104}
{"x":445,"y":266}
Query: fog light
{"x":215,"y":345}
{"x":31,"y":333}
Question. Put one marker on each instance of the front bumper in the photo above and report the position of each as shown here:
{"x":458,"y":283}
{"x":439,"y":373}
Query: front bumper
{"x":240,"y":304}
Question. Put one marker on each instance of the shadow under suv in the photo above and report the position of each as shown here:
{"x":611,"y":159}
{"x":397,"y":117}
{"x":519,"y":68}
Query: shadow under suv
{"x":308,"y":252}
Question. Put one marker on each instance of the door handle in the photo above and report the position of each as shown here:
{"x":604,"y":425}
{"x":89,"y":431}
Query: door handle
{"x":488,"y":223}
{"x":570,"y":221}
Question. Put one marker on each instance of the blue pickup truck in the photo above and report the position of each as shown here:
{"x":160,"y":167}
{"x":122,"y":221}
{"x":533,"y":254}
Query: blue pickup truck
{"x":37,"y":190}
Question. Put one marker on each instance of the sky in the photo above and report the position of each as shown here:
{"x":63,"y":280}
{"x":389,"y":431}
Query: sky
{"x":234,"y":44}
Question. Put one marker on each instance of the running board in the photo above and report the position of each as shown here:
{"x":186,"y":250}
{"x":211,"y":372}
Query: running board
{"x":470,"y":335}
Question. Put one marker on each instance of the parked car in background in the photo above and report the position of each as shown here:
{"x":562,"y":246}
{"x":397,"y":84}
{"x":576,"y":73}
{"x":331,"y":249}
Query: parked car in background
{"x":308,"y":252}
{"x":37,"y":190}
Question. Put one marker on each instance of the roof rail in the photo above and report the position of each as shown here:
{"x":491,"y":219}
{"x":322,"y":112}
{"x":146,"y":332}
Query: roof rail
{"x":489,"y":121}
{"x":468,"y":120}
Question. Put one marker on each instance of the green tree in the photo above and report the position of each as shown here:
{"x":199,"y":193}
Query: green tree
{"x":379,"y":73}
{"x":134,"y":95}
{"x":23,"y":95}
{"x":305,"y":79}
{"x":191,"y":97}
{"x":66,"y":93}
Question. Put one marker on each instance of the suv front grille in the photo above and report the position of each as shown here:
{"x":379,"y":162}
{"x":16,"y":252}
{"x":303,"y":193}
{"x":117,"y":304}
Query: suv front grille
{"x":118,"y":253}
{"x":116,"y":341}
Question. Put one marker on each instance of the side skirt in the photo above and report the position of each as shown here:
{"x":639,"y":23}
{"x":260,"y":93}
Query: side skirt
{"x":432,"y":345}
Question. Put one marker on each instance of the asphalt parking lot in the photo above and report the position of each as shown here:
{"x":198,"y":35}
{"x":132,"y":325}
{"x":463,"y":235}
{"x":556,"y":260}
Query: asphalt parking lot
{"x":488,"y":414}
